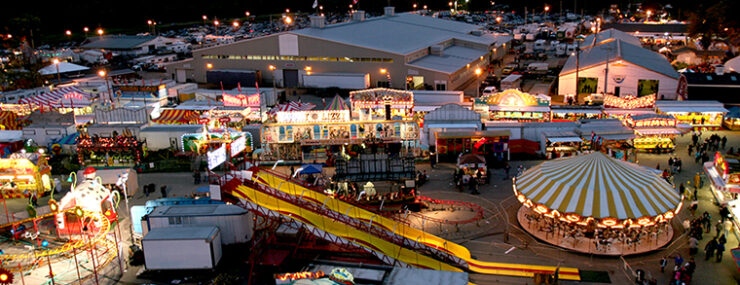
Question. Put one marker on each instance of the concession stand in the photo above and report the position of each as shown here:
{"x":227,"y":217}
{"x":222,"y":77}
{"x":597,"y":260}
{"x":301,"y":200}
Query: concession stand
{"x":115,"y":151}
{"x":562,"y":144}
{"x":704,"y":115}
{"x":492,"y":145}
{"x":724,"y":175}
{"x":514,"y":105}
{"x":23,"y":174}
{"x":654,"y":132}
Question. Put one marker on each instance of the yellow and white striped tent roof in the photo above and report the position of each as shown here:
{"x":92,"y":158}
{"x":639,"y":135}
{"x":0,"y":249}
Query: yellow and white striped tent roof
{"x":594,"y":185}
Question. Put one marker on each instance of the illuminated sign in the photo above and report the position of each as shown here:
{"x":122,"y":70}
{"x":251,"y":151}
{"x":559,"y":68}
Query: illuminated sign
{"x":238,"y":145}
{"x":513,"y":97}
{"x":241,"y":100}
{"x":721,"y":164}
{"x":288,"y":278}
{"x":629,"y":102}
{"x":313,"y":116}
{"x":216,"y":157}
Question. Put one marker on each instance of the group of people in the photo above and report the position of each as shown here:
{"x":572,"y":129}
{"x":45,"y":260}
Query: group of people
{"x":700,"y":150}
{"x":682,"y":272}
{"x":150,"y":188}
{"x":471,"y":178}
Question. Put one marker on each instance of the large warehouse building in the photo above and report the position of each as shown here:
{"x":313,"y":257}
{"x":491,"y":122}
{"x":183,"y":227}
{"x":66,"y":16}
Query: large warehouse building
{"x":397,"y":50}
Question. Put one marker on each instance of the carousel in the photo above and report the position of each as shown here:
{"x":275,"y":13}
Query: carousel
{"x":596,"y":204}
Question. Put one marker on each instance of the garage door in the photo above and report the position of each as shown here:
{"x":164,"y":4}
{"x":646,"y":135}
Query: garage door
{"x":291,"y":77}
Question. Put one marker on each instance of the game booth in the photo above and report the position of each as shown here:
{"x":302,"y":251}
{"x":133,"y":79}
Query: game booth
{"x":514,"y":105}
{"x":562,"y":144}
{"x":382,"y":104}
{"x":25,"y":173}
{"x":724,"y":175}
{"x":620,"y":107}
{"x":567,"y":113}
{"x":472,"y":166}
{"x":596,"y":204}
{"x":732,"y":118}
{"x":655,"y":133}
{"x":704,"y":115}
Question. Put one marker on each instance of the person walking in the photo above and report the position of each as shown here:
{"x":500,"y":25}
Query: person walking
{"x":163,"y":190}
{"x":724,"y":141}
{"x":724,"y":213}
{"x":663,"y":263}
{"x":710,"y":248}
{"x":507,"y":167}
{"x":693,"y":246}
{"x":719,"y":226}
{"x":196,"y":177}
{"x":697,"y":180}
{"x":720,"y":251}
{"x":678,"y":261}
{"x":146,"y":191}
{"x":706,"y":221}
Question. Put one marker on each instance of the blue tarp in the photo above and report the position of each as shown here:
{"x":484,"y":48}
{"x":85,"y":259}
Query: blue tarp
{"x":311,"y":168}
{"x":70,"y":139}
{"x":734,"y":113}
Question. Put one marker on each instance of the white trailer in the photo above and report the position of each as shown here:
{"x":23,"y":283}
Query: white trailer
{"x":513,"y":81}
{"x":540,"y":45}
{"x":234,"y":222}
{"x":339,"y":80}
{"x":159,"y":137}
{"x":182,"y":248}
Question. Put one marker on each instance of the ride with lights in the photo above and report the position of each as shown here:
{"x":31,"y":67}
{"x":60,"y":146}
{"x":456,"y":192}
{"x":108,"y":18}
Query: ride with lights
{"x":114,"y":151}
{"x":597,"y":190}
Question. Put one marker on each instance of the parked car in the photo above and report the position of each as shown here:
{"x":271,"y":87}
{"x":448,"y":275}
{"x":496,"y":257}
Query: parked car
{"x":489,"y":90}
{"x":509,"y":68}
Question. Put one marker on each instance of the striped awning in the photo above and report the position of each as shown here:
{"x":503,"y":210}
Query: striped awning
{"x":63,"y":97}
{"x":8,"y":120}
{"x":174,"y":117}
{"x":337,"y":104}
{"x":595,"y":185}
{"x":292,"y":106}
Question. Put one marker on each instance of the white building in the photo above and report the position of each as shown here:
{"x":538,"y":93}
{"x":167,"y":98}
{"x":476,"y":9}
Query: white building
{"x":617,"y":67}
{"x":129,"y":45}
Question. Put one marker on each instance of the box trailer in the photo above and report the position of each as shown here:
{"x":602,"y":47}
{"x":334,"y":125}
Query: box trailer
{"x":234,"y":222}
{"x":339,"y":80}
{"x":513,"y":81}
{"x":182,"y":248}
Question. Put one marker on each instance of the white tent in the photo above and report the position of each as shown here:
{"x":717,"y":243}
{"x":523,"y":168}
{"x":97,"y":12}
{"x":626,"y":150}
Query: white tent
{"x":64,"y":67}
{"x":733,"y":64}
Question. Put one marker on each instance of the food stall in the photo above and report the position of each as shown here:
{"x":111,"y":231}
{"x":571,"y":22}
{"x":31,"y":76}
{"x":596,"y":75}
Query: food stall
{"x":116,"y":151}
{"x":704,"y":115}
{"x":621,"y":107}
{"x":567,"y":113}
{"x":654,"y":132}
{"x":24,"y":173}
{"x":724,"y":175}
{"x":514,"y":105}
{"x":382,"y":104}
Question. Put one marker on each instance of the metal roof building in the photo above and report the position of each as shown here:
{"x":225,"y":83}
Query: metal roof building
{"x":618,"y":67}
{"x":126,"y":44}
{"x":423,"y":52}
{"x":607,"y":35}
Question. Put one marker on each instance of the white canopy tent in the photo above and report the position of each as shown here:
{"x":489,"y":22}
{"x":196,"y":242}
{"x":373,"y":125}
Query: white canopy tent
{"x":64,"y":67}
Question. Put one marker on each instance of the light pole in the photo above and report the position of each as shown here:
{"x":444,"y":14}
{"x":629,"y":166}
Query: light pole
{"x":478,"y":72}
{"x":274,"y":90}
{"x":387,"y":74}
{"x":59,"y":77}
{"x":100,"y":32}
{"x":104,"y":75}
{"x":85,"y":29}
{"x":205,"y":18}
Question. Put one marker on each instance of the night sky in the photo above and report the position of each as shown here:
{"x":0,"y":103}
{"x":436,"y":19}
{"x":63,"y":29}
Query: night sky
{"x":54,"y":17}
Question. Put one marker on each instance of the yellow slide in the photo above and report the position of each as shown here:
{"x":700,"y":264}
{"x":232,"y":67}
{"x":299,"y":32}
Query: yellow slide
{"x":401,"y":229}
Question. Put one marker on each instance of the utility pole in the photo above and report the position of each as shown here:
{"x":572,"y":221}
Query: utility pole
{"x":578,"y":63}
{"x":525,"y":15}
{"x":606,"y":69}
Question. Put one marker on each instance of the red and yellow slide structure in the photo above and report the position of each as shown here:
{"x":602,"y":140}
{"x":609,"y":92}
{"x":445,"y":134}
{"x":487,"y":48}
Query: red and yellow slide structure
{"x":460,"y":255}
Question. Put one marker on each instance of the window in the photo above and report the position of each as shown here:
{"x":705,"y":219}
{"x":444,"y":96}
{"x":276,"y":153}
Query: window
{"x":587,"y":85}
{"x":29,"y":132}
{"x":385,"y":84}
{"x":647,"y":87}
{"x":178,"y":220}
{"x":440,"y":85}
{"x":296,"y":58}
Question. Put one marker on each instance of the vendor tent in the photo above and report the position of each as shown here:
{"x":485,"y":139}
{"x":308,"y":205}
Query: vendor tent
{"x":176,"y":117}
{"x":337,"y":104}
{"x":311,"y":168}
{"x":70,"y":97}
{"x":64,"y":67}
{"x":595,"y":185}
{"x":8,"y":120}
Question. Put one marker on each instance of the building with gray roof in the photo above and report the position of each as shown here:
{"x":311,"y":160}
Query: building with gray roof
{"x":426,"y":52}
{"x":617,"y":67}
{"x":608,"y":35}
{"x":126,"y":44}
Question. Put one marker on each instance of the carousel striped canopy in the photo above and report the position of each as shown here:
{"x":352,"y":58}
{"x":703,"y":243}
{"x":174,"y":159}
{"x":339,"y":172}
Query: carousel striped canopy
{"x":598,"y":186}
